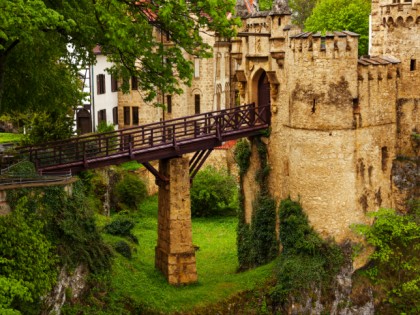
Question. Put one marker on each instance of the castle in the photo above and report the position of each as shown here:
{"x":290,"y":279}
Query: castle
{"x":343,"y":128}
{"x":339,"y":122}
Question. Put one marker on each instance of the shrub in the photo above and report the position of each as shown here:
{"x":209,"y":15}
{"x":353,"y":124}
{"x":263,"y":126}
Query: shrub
{"x":396,"y":259}
{"x":27,"y":260}
{"x":103,"y":126}
{"x":123,"y":248}
{"x":213,"y":192}
{"x":47,"y":126}
{"x":263,"y":230}
{"x":130,"y":191}
{"x":122,"y":226}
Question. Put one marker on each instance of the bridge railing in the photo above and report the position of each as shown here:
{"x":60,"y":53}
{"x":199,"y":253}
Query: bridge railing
{"x":148,"y":137}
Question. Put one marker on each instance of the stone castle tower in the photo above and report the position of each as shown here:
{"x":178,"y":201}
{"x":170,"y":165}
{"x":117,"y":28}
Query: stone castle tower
{"x":339,"y":122}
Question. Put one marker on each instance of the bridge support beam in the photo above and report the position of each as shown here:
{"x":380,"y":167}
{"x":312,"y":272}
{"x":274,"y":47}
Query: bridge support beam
{"x":175,"y":253}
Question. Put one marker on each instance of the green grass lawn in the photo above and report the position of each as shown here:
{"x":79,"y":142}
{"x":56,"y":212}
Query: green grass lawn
{"x":130,"y":166}
{"x":10,"y":137}
{"x":137,"y":279}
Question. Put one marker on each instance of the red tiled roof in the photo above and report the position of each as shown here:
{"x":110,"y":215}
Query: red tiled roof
{"x":227,"y":145}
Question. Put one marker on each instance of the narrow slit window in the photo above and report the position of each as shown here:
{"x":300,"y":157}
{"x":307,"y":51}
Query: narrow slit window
{"x":115,"y":115}
{"x":412,"y":64}
{"x":169,"y":103}
{"x":126,"y":115}
{"x":135,"y":112}
{"x":197,"y":104}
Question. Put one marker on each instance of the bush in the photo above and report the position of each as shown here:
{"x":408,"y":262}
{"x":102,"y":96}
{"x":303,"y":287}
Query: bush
{"x":396,"y":259}
{"x":213,"y":192}
{"x":47,"y":126}
{"x":27,"y":260}
{"x":122,"y":227}
{"x":130,"y":191}
{"x":123,"y":248}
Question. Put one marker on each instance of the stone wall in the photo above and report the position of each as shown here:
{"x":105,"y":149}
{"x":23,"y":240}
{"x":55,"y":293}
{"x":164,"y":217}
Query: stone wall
{"x":338,"y":122}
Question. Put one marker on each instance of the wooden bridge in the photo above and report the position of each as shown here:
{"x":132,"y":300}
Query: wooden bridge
{"x":162,"y":140}
{"x":165,"y":141}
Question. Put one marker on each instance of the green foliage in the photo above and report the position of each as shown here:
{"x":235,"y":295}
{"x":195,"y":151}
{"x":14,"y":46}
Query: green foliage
{"x":123,"y":248}
{"x":130,"y":191}
{"x":217,"y":269}
{"x":339,"y":15}
{"x":12,"y":290}
{"x":6,"y":137}
{"x":302,"y":9}
{"x":306,"y":260}
{"x":23,"y":169}
{"x":103,"y":126}
{"x":396,"y":259}
{"x":47,"y":126}
{"x":263,"y":230}
{"x":242,"y":154}
{"x":27,"y":261}
{"x":121,"y":226}
{"x":130,"y":166}
{"x":68,"y":224}
{"x":213,"y":192}
{"x":265,"y":5}
{"x":37,"y":70}
{"x":257,"y":242}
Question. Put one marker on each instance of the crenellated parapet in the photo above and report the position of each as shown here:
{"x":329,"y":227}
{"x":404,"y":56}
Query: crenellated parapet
{"x":331,"y":45}
{"x":377,"y":93}
{"x":378,"y":68}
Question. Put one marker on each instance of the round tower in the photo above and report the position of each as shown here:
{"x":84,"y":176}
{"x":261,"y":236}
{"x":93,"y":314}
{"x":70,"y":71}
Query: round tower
{"x":395,"y":32}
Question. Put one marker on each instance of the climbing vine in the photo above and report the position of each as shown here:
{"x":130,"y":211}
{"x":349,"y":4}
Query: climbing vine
{"x":257,"y":242}
{"x":307,"y":260}
{"x":68,"y":224}
{"x":242,"y":155}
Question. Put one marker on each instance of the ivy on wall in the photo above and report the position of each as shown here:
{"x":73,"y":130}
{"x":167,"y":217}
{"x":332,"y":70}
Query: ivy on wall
{"x":47,"y":228}
{"x":69,"y":224}
{"x":257,"y":242}
{"x":307,"y":261}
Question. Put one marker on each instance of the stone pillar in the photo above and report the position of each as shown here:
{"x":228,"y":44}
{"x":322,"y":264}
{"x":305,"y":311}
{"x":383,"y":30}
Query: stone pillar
{"x":175,"y":254}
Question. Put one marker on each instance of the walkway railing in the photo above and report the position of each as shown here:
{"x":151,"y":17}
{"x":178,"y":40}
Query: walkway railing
{"x":154,"y":141}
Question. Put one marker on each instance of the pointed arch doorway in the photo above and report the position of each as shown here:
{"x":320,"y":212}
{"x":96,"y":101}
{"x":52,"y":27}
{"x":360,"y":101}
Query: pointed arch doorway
{"x":263,"y":94}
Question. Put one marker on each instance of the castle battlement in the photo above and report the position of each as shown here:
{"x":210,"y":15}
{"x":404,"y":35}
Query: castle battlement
{"x":378,"y":68}
{"x":404,"y":14}
{"x":342,"y":43}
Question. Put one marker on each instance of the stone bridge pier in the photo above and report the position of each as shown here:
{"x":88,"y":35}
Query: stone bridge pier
{"x":175,"y":253}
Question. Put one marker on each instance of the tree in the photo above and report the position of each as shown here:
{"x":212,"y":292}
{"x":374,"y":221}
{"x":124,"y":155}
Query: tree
{"x":338,"y":15}
{"x":301,"y":9}
{"x":127,"y":32}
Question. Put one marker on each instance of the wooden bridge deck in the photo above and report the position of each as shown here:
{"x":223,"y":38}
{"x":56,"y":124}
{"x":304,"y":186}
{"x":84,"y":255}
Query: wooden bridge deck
{"x":161,"y":140}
